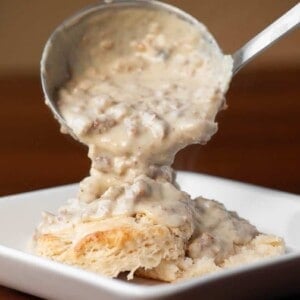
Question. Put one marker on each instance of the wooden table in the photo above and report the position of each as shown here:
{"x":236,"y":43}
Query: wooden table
{"x":258,"y":139}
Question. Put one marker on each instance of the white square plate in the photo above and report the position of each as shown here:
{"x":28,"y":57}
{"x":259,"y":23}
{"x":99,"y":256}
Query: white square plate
{"x":271,"y":211}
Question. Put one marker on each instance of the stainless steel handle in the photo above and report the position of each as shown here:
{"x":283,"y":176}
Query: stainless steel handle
{"x":289,"y":21}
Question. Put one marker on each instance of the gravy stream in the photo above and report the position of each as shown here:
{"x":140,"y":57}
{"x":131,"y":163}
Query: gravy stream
{"x":139,"y":94}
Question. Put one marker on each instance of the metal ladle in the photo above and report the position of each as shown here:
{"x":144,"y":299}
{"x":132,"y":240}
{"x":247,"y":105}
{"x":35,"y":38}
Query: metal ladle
{"x":55,"y":63}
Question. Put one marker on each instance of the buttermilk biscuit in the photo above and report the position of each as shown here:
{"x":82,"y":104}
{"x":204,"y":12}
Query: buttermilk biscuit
{"x":142,"y":246}
{"x":113,"y":246}
{"x":138,"y":246}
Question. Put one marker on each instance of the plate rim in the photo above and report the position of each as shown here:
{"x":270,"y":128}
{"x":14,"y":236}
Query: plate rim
{"x":178,"y":172}
{"x":135,"y":289}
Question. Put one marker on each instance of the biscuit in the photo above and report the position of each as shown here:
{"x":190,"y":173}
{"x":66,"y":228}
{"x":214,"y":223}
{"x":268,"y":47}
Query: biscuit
{"x":139,"y":246}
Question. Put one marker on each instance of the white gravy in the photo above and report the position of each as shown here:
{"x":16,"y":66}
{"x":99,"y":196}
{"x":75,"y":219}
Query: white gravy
{"x":139,"y":94}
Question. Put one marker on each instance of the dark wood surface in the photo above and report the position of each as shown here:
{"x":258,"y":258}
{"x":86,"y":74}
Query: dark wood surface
{"x":258,"y":139}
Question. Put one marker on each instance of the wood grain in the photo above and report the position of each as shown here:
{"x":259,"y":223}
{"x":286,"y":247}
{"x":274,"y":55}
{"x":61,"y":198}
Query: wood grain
{"x":258,"y":139}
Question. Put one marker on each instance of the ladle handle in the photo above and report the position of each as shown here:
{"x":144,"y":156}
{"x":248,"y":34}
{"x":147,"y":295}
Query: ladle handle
{"x":289,"y":21}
